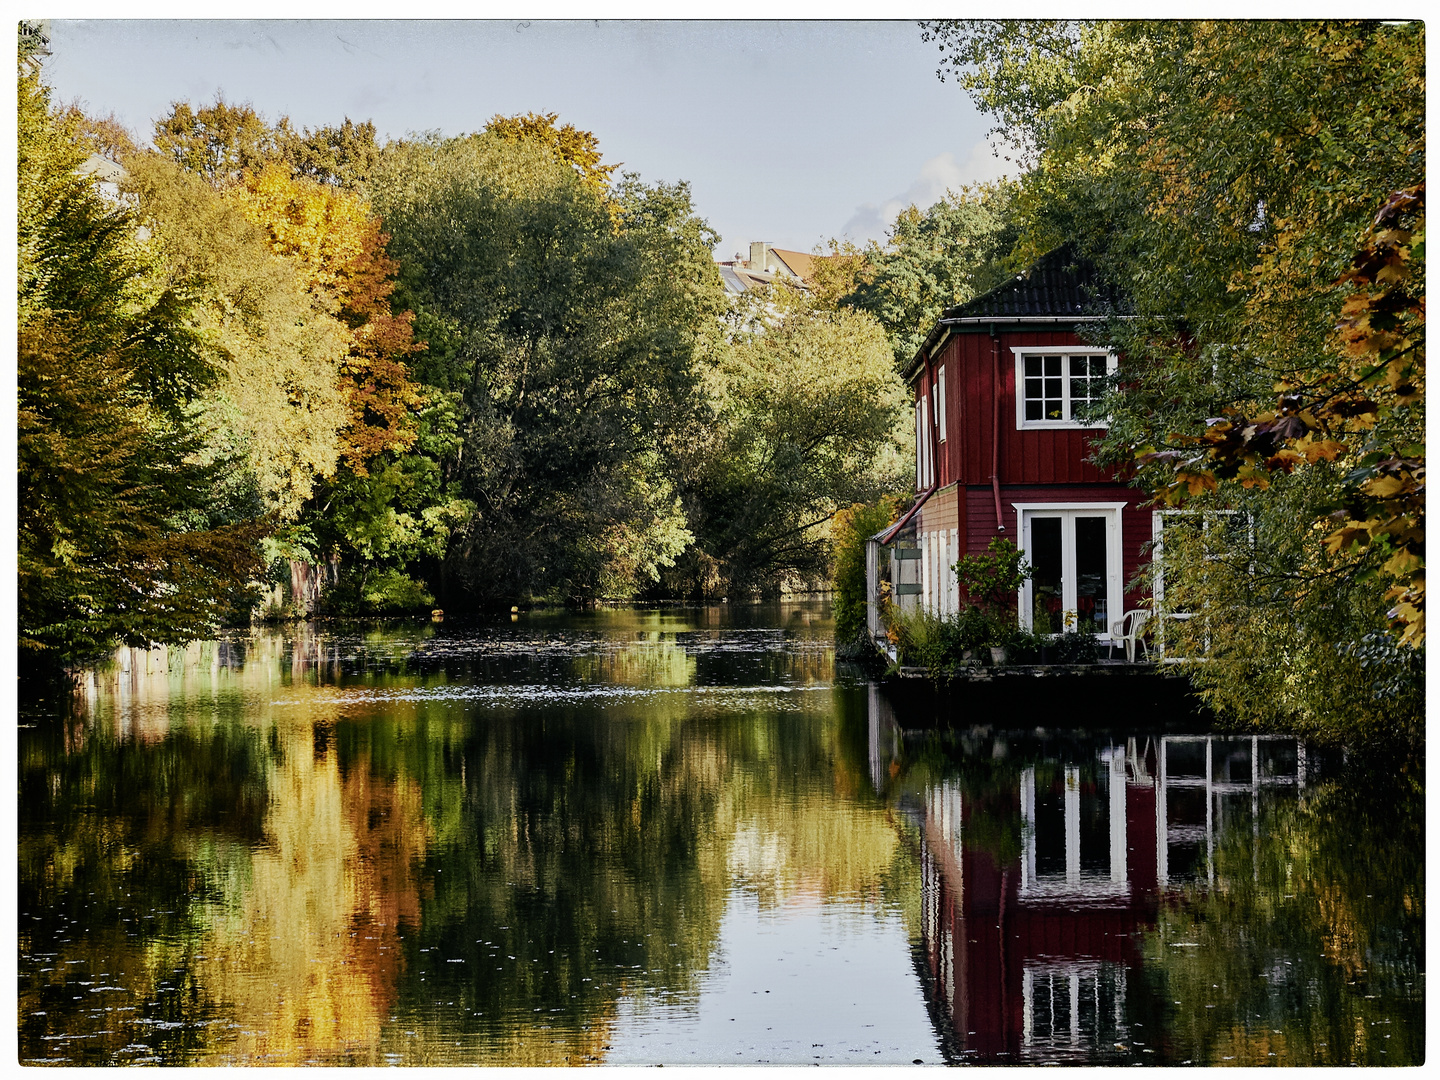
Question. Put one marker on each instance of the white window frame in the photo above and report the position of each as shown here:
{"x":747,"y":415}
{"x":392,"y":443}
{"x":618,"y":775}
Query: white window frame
{"x":1112,"y":364}
{"x":940,"y":402}
{"x":923,"y":464}
{"x":1157,"y":584}
{"x":1114,"y":555}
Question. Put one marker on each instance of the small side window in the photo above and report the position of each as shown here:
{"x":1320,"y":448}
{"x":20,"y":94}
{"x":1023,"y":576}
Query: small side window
{"x":940,"y":403}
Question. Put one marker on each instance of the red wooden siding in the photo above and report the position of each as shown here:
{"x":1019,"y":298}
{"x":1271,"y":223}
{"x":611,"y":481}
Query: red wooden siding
{"x":1026,"y":457}
{"x":1034,"y":466}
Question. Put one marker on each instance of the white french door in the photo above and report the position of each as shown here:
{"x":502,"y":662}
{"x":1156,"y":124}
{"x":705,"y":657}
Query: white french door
{"x":1076,"y":569}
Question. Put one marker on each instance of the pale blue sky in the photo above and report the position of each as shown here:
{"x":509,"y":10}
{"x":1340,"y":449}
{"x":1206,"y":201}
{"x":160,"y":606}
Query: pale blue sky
{"x":789,"y":132}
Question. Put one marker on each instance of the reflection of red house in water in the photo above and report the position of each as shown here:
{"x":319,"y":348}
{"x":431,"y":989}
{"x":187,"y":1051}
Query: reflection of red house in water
{"x":1029,"y":956}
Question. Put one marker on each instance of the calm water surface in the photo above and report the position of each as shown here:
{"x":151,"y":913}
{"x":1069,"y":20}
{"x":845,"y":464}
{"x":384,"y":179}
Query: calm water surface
{"x":682,"y":837}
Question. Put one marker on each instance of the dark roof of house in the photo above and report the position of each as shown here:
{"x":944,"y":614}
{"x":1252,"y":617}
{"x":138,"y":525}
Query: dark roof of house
{"x":1061,"y":285}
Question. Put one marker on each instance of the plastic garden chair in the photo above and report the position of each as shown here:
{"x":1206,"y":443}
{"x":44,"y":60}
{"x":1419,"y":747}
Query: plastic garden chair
{"x":1128,"y":629}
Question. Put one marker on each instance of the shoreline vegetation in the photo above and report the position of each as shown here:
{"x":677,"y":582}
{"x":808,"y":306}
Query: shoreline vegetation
{"x":264,"y":371}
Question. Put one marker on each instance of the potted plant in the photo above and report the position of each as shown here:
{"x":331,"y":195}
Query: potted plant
{"x":989,"y":584}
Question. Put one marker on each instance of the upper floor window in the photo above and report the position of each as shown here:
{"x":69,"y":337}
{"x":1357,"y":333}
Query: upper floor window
{"x":1056,"y":387}
{"x":924,"y":464}
{"x":940,"y":403}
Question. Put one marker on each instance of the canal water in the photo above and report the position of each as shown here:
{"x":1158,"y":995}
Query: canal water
{"x":683,"y":836}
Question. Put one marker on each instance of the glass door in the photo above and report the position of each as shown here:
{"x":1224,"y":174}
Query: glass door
{"x":1075,"y":578}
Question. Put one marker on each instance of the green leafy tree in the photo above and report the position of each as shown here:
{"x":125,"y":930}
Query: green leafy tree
{"x":343,"y":156}
{"x":932,"y":260}
{"x":126,"y":531}
{"x":991,"y":581}
{"x":217,"y":141}
{"x":566,"y":321}
{"x":577,"y":148}
{"x":849,"y":531}
{"x":278,"y":346}
{"x":807,"y":416}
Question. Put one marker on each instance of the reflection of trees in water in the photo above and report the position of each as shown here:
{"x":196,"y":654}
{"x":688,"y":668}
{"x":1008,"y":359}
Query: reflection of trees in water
{"x":1310,"y":946}
{"x":371,"y":882}
{"x":115,"y":837}
{"x":307,"y":952}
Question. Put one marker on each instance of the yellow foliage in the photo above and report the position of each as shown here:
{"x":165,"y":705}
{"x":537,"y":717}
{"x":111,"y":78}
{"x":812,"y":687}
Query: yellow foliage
{"x":279,"y":345}
{"x":321,"y":227}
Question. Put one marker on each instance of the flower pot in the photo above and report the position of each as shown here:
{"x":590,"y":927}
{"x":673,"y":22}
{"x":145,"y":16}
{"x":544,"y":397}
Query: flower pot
{"x":997,"y":654}
{"x":1048,"y":654}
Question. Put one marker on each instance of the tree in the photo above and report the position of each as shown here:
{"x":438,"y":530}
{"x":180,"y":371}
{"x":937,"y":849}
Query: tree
{"x":577,"y":148}
{"x":1225,"y":175}
{"x":806,"y":417}
{"x":850,"y":529}
{"x":566,"y":322}
{"x":125,"y":529}
{"x":335,"y":243}
{"x":217,"y":141}
{"x":278,"y":346}
{"x":933,"y":260}
{"x":341,"y":156}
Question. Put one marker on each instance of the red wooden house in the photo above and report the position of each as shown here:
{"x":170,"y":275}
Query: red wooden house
{"x":1001,"y":386}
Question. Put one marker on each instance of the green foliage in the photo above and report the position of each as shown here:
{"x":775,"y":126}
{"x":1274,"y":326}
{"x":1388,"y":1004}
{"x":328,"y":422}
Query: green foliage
{"x":1331,"y":887}
{"x":939,"y":643}
{"x":1282,"y":637}
{"x":992,"y":581}
{"x":380,"y":592}
{"x":804,"y":416}
{"x":987,"y":620}
{"x":1076,"y":647}
{"x":932,"y":260}
{"x":567,"y":322}
{"x":576,"y":148}
{"x":277,"y":345}
{"x":1252,"y":189}
{"x":126,"y":527}
{"x":849,"y":531}
{"x":216,"y":141}
{"x":342,"y":156}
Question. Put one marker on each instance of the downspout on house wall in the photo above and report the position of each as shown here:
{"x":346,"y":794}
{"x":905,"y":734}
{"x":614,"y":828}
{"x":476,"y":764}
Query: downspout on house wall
{"x":995,"y":426}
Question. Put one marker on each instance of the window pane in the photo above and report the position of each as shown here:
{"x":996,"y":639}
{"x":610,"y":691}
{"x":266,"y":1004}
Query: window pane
{"x":1034,"y":410}
{"x":1091,"y":594}
{"x":1044,"y":556}
{"x":1050,"y":832}
{"x":1032,"y":366}
{"x":1052,"y":365}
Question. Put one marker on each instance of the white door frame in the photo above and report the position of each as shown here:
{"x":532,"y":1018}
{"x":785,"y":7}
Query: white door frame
{"x":1115,"y":574}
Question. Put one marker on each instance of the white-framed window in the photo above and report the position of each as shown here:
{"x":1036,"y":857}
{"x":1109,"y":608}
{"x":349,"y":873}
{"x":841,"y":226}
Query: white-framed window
{"x":923,"y":463}
{"x":940,"y":402}
{"x":1074,"y":550}
{"x":1055,"y":385}
{"x":1224,"y":532}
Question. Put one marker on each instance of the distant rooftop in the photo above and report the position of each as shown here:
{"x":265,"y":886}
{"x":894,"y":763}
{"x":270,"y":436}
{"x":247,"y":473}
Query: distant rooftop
{"x":764,"y":265}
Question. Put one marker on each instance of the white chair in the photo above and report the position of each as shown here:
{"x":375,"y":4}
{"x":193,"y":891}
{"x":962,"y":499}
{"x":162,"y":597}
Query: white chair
{"x":1129,"y":630}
